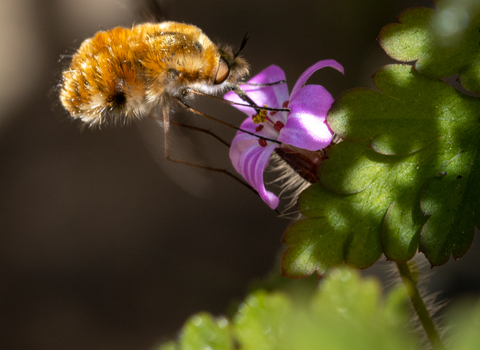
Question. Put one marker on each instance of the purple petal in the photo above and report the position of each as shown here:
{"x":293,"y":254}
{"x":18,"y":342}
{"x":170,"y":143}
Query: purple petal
{"x":251,"y":164}
{"x":272,"y":96}
{"x":306,"y":127}
{"x":307,"y":74}
{"x":249,"y":125}
{"x":240,"y":143}
{"x":312,"y":99}
{"x":243,"y":140}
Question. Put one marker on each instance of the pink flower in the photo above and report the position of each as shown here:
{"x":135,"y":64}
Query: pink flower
{"x":304,"y":127}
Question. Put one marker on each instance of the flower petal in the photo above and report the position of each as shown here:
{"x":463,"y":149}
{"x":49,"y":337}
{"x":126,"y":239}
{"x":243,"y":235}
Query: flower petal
{"x":306,"y":127}
{"x":312,"y":99}
{"x":243,"y":140}
{"x":251,"y":164}
{"x":240,"y":143}
{"x":272,"y":96}
{"x":308,"y":73}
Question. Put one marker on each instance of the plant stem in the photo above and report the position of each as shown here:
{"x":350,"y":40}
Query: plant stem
{"x":420,"y":307}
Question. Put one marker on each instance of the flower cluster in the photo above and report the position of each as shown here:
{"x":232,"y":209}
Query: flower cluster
{"x":303,"y":127}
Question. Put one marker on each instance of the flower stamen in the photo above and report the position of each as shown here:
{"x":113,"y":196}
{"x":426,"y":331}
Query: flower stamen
{"x":260,"y":117}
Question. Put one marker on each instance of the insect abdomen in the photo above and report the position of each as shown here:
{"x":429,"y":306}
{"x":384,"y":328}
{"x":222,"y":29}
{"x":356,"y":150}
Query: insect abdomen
{"x":104,"y":79}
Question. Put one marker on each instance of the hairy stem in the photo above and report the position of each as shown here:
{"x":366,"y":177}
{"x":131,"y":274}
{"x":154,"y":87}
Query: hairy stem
{"x":420,"y":307}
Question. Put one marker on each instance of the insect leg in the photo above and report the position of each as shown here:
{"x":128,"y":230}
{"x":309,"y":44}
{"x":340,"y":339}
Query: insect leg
{"x":190,"y":109}
{"x":166,"y":128}
{"x":206,"y":131}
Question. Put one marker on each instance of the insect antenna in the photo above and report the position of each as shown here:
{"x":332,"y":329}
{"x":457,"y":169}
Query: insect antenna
{"x":242,"y":45}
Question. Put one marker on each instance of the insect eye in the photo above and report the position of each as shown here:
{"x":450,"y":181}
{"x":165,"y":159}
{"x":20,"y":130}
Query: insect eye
{"x":222,"y":72}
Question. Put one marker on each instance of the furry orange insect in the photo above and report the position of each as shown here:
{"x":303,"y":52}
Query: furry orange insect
{"x":125,"y":73}
{"x":129,"y":73}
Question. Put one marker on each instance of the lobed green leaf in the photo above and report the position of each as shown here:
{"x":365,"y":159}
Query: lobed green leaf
{"x":405,"y":178}
{"x":464,"y":323}
{"x":346,"y":312}
{"x":202,"y":331}
{"x":443,"y":42}
{"x":261,"y":321}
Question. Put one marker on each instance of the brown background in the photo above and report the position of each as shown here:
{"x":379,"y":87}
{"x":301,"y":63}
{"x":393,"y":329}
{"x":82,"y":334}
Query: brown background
{"x":104,"y":245}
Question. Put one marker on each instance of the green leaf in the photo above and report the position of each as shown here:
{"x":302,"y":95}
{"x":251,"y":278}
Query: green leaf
{"x":452,"y":201}
{"x":202,"y":331}
{"x":346,"y":312}
{"x":405,"y":177}
{"x":261,"y":320}
{"x":443,"y":42}
{"x":464,"y":323}
{"x":169,"y":346}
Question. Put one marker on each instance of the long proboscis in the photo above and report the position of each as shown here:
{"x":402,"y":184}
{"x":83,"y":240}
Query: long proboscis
{"x":243,"y":95}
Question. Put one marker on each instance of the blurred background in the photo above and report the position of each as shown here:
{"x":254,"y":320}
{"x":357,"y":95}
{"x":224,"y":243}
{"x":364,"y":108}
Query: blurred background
{"x":103,"y":244}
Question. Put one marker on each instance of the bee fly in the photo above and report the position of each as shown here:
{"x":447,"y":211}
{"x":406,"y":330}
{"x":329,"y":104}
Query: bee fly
{"x":126,"y":73}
